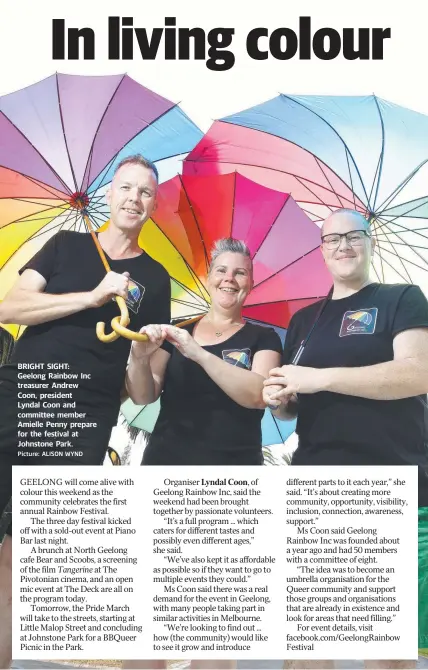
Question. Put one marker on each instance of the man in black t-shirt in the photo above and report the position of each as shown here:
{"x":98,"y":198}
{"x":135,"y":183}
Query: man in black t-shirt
{"x":358,"y":384}
{"x":61,"y":294}
{"x":362,"y":376}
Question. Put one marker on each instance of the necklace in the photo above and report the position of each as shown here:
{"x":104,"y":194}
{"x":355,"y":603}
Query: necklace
{"x":219,"y":333}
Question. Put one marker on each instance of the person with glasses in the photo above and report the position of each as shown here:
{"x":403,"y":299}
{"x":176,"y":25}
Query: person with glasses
{"x":358,"y":384}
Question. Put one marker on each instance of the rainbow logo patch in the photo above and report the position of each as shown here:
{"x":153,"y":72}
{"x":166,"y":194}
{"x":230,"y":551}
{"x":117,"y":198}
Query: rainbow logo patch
{"x":135,"y":295}
{"x":239,"y":357}
{"x":359,"y":322}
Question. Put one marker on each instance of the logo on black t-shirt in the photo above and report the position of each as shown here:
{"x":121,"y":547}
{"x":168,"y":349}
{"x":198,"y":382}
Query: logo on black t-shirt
{"x":239,"y":357}
{"x":360,"y":322}
{"x":135,"y":295}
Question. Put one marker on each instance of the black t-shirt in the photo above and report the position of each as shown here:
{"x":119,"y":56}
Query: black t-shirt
{"x":198,"y":423}
{"x":358,"y":331}
{"x":70,"y":263}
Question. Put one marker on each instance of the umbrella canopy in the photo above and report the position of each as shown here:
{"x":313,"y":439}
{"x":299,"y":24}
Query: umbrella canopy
{"x":330,"y":152}
{"x":60,"y":141}
{"x":289,"y":272}
{"x":193,"y":212}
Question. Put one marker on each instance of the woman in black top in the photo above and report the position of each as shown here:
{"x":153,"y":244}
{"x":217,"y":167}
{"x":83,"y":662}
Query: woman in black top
{"x":212,"y":379}
{"x":211,"y":382}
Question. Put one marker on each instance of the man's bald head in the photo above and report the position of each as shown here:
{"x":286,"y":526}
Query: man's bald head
{"x":348,"y":216}
{"x":347,"y":257}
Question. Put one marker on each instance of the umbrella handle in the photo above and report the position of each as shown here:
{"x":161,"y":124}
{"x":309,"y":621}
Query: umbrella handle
{"x":124,"y":314}
{"x":123,"y":320}
{"x":119,"y":323}
{"x":120,"y":329}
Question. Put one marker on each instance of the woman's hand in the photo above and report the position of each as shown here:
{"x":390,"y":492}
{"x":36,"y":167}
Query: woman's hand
{"x":274,"y":395}
{"x":143,"y":350}
{"x":295,"y":379}
{"x":184,"y":342}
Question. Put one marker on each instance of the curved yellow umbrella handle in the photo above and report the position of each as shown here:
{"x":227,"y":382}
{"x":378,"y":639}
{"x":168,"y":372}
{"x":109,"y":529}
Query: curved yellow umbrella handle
{"x":119,"y":323}
{"x":121,"y":329}
{"x":123,"y":320}
{"x":124,"y":314}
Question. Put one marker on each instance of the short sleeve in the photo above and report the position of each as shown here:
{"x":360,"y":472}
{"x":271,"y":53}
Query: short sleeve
{"x":269,"y":340}
{"x":412,"y":310}
{"x":44,"y":260}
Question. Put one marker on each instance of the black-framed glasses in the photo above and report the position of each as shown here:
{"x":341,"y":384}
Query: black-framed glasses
{"x":355,"y":238}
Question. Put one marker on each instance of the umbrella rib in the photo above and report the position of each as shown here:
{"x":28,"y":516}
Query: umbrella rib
{"x":99,"y":205}
{"x":97,"y":219}
{"x":58,"y":225}
{"x":194,"y":276}
{"x":403,"y":244}
{"x":391,"y":218}
{"x":101,"y":185}
{"x":186,"y":303}
{"x":91,"y":148}
{"x":404,"y":229}
{"x":394,"y":253}
{"x":275,"y":420}
{"x":167,"y":111}
{"x":94,"y":220}
{"x":384,"y":260}
{"x":63,"y":133}
{"x":271,"y":226}
{"x":296,"y":260}
{"x":100,"y":209}
{"x":27,"y":201}
{"x":35,"y":235}
{"x":188,"y":290}
{"x":25,"y":219}
{"x":335,"y":132}
{"x":286,"y":300}
{"x":408,"y":230}
{"x":414,"y":251}
{"x":233,"y":203}
{"x":40,"y":184}
{"x":190,"y":315}
{"x":196,"y":221}
{"x":111,"y":161}
{"x":302,"y":180}
{"x":417,"y":231}
{"x":373,"y":184}
{"x":381,"y":258}
{"x":311,"y":111}
{"x":67,"y":190}
{"x":378,"y":174}
{"x":400,"y":187}
{"x":329,"y":182}
{"x":37,"y":201}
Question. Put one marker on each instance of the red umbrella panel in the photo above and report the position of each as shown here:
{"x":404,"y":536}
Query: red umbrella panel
{"x":193,"y":212}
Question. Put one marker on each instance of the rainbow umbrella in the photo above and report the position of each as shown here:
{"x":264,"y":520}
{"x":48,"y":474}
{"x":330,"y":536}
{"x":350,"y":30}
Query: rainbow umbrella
{"x":289,"y":272}
{"x":330,"y":152}
{"x":60,"y":141}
